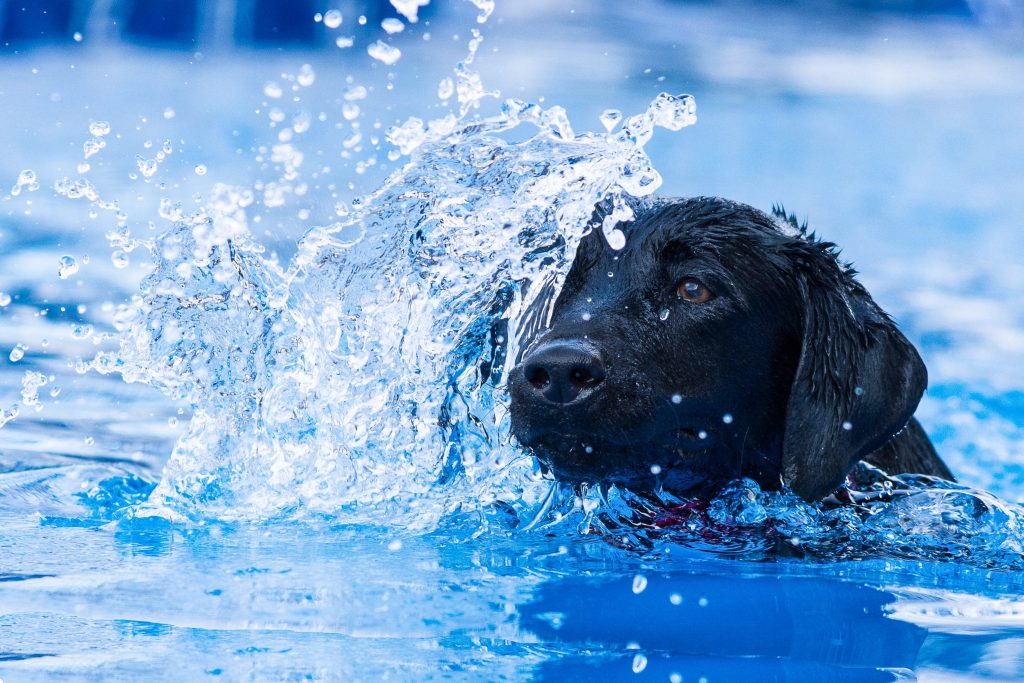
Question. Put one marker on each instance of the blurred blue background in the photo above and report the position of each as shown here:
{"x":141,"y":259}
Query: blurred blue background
{"x":187,"y":24}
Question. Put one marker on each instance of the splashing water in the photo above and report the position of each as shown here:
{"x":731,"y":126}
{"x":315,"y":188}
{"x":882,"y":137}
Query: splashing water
{"x":364,"y":381}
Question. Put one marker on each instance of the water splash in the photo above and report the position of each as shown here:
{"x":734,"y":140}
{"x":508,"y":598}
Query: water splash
{"x":874,"y":515}
{"x":365,"y":380}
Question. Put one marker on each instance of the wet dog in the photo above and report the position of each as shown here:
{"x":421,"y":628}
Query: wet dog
{"x":720,"y":342}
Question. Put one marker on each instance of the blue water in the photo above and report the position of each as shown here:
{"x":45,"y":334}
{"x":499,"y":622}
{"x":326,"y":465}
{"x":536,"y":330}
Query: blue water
{"x":212,"y":520}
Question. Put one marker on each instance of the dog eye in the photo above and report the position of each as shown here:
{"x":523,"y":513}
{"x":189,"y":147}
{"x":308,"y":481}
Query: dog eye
{"x":693,"y":290}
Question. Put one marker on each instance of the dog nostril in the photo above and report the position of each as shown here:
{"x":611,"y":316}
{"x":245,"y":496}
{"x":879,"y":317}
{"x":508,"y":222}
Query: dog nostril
{"x":538,"y":377}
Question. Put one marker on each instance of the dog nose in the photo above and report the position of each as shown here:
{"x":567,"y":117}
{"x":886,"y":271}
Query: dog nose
{"x":563,"y":370}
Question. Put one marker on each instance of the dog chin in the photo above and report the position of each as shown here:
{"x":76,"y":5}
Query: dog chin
{"x":673,"y":461}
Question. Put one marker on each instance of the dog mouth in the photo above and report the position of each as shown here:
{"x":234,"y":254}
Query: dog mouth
{"x":674,"y":438}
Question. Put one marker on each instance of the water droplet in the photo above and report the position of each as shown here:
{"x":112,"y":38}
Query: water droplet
{"x":395,"y":545}
{"x":168,"y":113}
{"x":585,"y":316}
{"x":355,"y":92}
{"x":89,"y":441}
{"x":675,"y":599}
{"x":81,"y":331}
{"x":675,"y":678}
{"x":26,"y":178}
{"x":727,"y":418}
{"x":382,"y":52}
{"x":588,"y":449}
{"x":345,"y":41}
{"x":611,"y":274}
{"x":200,"y":169}
{"x":847,"y":426}
{"x":272,"y":89}
{"x":332,"y":18}
{"x":77,"y":37}
{"x":664,"y":314}
{"x":639,"y":663}
{"x":392,"y":25}
{"x":610,"y":118}
{"x":5,"y":299}
{"x":702,"y":434}
{"x":350,"y":111}
{"x":172,"y":421}
{"x":639,"y":584}
{"x":655,"y":469}
{"x":92,"y":146}
{"x":67,"y":266}
{"x":703,"y":602}
{"x":306,"y":75}
{"x":677,"y":399}
{"x":409,"y":8}
{"x":858,"y":391}
{"x":99,"y":128}
{"x":18,"y":352}
{"x":445,"y":89}
{"x":119,"y":258}
{"x":147,"y":167}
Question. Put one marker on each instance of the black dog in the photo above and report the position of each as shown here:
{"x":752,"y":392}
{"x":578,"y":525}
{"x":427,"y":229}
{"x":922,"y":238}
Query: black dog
{"x":720,"y":342}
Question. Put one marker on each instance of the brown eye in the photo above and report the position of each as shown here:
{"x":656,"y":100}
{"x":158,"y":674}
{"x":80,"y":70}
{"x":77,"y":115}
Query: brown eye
{"x":693,"y":290}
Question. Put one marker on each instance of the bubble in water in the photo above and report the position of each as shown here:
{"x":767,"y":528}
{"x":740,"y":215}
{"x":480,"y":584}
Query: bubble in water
{"x":306,"y":76}
{"x":99,"y":128}
{"x":639,"y":663}
{"x":119,"y":258}
{"x":77,"y":37}
{"x":382,"y":52}
{"x":18,"y":352}
{"x":272,"y":89}
{"x":727,"y":418}
{"x":392,"y":26}
{"x":332,"y":18}
{"x":639,"y":584}
{"x":675,"y":599}
{"x":345,"y":41}
{"x":610,"y":118}
{"x":409,"y":8}
{"x":677,"y":398}
{"x":67,"y":266}
{"x":5,"y":299}
{"x":200,"y":169}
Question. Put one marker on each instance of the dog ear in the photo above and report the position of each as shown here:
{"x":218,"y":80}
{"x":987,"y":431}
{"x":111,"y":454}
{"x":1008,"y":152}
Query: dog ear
{"x":857,"y":383}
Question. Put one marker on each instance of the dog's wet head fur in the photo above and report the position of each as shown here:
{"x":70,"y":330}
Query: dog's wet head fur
{"x":719,"y":342}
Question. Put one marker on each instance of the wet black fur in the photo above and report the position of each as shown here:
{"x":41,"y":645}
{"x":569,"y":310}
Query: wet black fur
{"x":791,"y":347}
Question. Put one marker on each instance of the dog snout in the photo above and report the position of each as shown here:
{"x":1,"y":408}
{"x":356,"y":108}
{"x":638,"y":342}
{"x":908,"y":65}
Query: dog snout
{"x":563,"y":371}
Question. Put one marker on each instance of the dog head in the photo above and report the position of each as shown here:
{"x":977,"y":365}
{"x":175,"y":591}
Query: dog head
{"x":719,"y":342}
